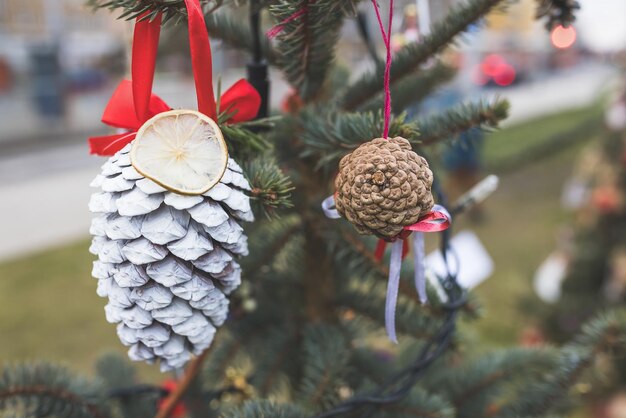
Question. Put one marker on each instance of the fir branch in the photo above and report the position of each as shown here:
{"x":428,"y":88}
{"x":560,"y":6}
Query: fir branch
{"x":370,"y":367}
{"x":472,"y":387}
{"x":557,"y":12}
{"x":117,"y":374}
{"x":368,"y":300}
{"x":450,"y":124}
{"x":242,"y":142}
{"x":286,"y":266}
{"x":413,"y":89}
{"x":412,"y":56}
{"x":279,"y":358}
{"x":115,"y":371}
{"x":192,"y":370}
{"x":270,"y":348}
{"x":306,"y":45}
{"x":328,"y":134}
{"x":356,"y":250}
{"x":63,"y":400}
{"x":326,"y":353}
{"x":237,"y":35}
{"x":419,"y":404}
{"x":353,"y":258}
{"x":271,"y":188}
{"x":398,"y":386}
{"x":268,"y":240}
{"x":600,"y":335}
{"x":46,"y":390}
{"x":223,"y":356}
{"x":359,"y":260}
{"x":266,"y":409}
{"x":171,"y":9}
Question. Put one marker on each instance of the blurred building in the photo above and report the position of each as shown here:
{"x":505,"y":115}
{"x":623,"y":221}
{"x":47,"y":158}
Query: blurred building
{"x":43,"y":18}
{"x":49,"y":51}
{"x":82,"y":36}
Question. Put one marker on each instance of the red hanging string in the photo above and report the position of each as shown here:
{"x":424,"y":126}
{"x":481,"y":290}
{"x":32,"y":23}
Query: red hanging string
{"x":275,"y":30}
{"x":278,"y":28}
{"x":387,"y":40}
{"x":201,"y":59}
{"x":380,"y":247}
{"x":133,"y":102}
{"x":145,"y":44}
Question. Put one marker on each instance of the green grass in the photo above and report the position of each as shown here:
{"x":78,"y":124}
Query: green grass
{"x":49,"y":308}
{"x":511,"y":148}
{"x":524,"y":217}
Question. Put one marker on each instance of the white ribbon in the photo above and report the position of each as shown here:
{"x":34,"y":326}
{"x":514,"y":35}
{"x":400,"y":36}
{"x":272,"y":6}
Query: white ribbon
{"x":328,"y":206}
{"x":420,"y":266}
{"x":395,"y":265}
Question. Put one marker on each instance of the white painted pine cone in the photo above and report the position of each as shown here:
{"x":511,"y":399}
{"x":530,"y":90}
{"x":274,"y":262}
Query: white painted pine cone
{"x":166,"y":261}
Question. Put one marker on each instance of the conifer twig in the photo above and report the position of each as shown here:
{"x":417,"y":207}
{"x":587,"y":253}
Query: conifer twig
{"x":460,"y":119}
{"x":412,"y":56}
{"x":306,"y":45}
{"x":41,"y":390}
{"x":557,"y":12}
{"x":174,"y":397}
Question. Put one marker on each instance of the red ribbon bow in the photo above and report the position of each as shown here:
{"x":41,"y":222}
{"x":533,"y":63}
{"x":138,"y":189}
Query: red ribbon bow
{"x":434,"y":221}
{"x":133,"y":102}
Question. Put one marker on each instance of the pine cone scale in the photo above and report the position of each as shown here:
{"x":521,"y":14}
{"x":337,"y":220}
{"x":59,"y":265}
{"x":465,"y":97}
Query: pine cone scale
{"x":383,"y":186}
{"x":166,"y":261}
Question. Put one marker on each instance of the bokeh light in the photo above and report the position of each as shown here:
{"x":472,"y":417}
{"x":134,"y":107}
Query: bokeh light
{"x":563,"y":37}
{"x":505,"y":76}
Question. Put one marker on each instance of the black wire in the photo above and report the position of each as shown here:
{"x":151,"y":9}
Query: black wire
{"x":137,"y":390}
{"x":257,"y":54}
{"x":130,"y":391}
{"x":361,"y":21}
{"x":431,"y":352}
{"x":399,"y":385}
{"x":257,"y":69}
{"x":446,"y":233}
{"x":394,"y":389}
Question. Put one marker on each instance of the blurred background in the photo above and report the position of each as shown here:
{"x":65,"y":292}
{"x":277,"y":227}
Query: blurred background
{"x":59,"y":63}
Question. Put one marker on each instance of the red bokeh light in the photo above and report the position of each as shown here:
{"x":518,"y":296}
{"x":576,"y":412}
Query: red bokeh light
{"x":505,"y":76}
{"x":494,"y":68}
{"x":491,"y":65}
{"x":563,"y":37}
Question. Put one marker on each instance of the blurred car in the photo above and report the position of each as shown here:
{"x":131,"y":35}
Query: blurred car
{"x":84,"y":79}
{"x":497,"y":70}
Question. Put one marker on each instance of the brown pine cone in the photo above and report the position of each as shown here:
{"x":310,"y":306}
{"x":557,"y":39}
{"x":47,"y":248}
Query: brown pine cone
{"x":383,"y":186}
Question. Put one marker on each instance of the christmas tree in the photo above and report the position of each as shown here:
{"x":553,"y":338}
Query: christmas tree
{"x":592,"y":253}
{"x":303,"y":335}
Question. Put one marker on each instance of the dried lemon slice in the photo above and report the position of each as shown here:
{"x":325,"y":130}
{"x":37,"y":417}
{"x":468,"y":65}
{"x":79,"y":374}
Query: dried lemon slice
{"x":182,"y":150}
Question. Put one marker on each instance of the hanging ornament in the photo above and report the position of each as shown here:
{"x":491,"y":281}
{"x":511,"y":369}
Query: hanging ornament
{"x":181,"y":150}
{"x":167,"y":218}
{"x":166,"y":261}
{"x":384,"y":188}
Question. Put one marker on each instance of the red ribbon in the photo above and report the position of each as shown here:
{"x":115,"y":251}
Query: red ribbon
{"x":433,"y":221}
{"x":133,"y":102}
{"x":143,"y":62}
{"x":381,"y":246}
{"x":387,"y":76}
